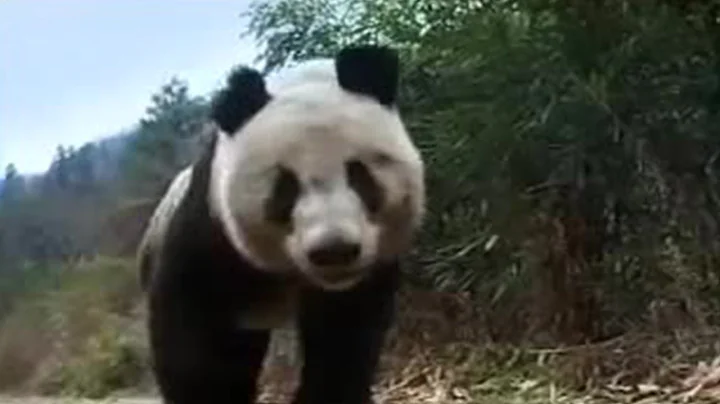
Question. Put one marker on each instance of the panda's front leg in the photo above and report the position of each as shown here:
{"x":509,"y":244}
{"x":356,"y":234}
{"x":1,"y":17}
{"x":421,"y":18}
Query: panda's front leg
{"x":341,"y":336}
{"x":200,"y":356}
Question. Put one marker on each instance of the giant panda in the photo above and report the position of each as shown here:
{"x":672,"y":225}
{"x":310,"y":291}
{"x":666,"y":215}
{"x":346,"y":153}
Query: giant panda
{"x":300,"y":209}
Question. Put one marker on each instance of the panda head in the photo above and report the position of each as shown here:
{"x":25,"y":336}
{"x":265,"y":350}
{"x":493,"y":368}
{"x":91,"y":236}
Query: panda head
{"x":320,"y":176}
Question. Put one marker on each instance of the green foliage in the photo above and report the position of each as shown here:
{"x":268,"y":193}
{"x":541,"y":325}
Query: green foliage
{"x":23,"y":281}
{"x":73,"y":337}
{"x":296,"y":30}
{"x":106,"y":363}
{"x":167,"y":139}
{"x":13,"y":186}
{"x":283,"y":28}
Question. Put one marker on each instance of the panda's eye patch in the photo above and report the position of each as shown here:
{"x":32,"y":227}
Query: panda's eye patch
{"x":284,"y":195}
{"x":362,"y":181}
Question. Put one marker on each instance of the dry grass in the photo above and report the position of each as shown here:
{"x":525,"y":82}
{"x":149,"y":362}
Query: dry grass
{"x":23,"y":346}
{"x":453,"y":366}
{"x":438,"y":353}
{"x":462,"y":374}
{"x":75,"y":337}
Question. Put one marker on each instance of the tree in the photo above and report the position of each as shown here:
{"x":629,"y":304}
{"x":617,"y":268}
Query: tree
{"x":58,"y":177}
{"x":167,"y":138}
{"x":13,"y":185}
{"x":292,"y":31}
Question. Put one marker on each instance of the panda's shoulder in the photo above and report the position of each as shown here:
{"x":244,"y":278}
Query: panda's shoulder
{"x":165,"y":209}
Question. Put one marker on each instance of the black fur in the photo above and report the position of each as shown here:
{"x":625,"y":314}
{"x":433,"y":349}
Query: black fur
{"x":197,"y":290}
{"x":369,"y":70}
{"x":362,"y":181}
{"x":279,"y":206}
{"x":244,"y":95}
{"x":200,"y":287}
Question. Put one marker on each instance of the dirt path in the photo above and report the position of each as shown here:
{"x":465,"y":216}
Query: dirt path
{"x":53,"y":400}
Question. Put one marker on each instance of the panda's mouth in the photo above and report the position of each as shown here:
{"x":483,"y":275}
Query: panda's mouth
{"x":340,"y":276}
{"x":335,"y":278}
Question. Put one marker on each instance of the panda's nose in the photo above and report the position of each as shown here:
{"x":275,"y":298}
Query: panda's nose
{"x":334,"y":253}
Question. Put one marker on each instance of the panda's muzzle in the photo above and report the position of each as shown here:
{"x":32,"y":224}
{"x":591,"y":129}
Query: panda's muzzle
{"x":335,"y":253}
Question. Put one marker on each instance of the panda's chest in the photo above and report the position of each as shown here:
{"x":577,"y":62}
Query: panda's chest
{"x":274,"y":308}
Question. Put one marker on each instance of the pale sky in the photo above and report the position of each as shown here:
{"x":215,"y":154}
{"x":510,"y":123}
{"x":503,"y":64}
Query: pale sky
{"x":78,"y":70}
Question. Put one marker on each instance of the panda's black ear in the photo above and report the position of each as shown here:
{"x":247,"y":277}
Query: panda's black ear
{"x":244,"y":95}
{"x":369,"y":70}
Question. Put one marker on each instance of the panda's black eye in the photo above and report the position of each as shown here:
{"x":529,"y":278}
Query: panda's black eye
{"x":284,"y":195}
{"x":361,"y":180}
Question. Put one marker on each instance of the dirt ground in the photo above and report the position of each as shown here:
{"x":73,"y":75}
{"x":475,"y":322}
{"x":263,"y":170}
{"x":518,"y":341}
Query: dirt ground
{"x":49,"y":400}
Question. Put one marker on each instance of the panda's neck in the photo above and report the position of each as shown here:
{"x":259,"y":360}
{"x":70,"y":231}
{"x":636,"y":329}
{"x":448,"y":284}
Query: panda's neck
{"x":199,"y":188}
{"x":205,"y":212}
{"x":195,"y":227}
{"x":196,"y":210}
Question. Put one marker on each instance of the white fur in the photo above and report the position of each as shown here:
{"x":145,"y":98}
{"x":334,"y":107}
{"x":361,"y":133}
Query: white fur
{"x":312,"y":127}
{"x":313,"y":70}
{"x":154,"y":235}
